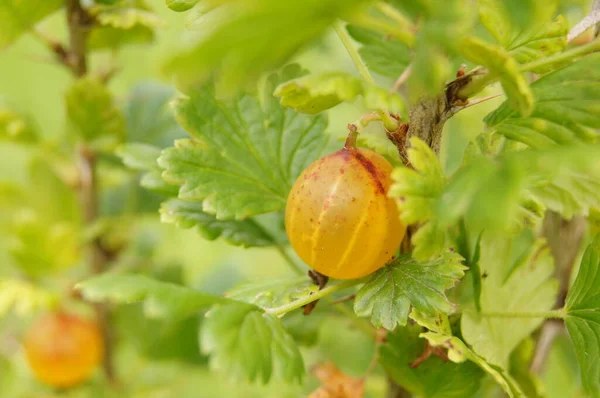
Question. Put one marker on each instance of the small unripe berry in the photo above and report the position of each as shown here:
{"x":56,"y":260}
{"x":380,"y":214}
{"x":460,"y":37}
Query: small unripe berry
{"x":339,"y":218}
{"x":63,"y":350}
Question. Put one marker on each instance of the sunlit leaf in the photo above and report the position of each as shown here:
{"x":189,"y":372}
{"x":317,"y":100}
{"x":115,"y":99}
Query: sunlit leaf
{"x":388,"y":295}
{"x":245,"y":154}
{"x":583,"y":316}
{"x":19,"y":16}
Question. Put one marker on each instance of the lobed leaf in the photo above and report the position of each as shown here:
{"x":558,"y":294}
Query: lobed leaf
{"x":565,"y":111}
{"x":434,"y":378}
{"x":272,"y":293}
{"x":245,"y":154}
{"x":525,"y":29}
{"x":583,"y":316}
{"x":417,"y":191}
{"x":149,"y":118}
{"x":507,"y":288}
{"x":239,"y":40}
{"x":19,"y":16}
{"x":501,"y":64}
{"x":314,"y":94}
{"x":161,"y":299}
{"x":382,"y":54}
{"x":93,"y":115}
{"x":388,"y":295}
{"x":187,"y":214}
{"x":242,"y":339}
{"x":143,"y":157}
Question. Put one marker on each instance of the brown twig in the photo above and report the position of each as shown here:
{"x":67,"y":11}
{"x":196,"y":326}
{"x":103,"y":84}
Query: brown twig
{"x":79,"y":24}
{"x":88,"y":190}
{"x":402,"y":78}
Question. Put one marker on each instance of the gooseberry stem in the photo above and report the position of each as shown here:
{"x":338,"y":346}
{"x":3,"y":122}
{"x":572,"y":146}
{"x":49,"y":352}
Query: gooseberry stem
{"x":294,"y":305}
{"x":350,"y":143}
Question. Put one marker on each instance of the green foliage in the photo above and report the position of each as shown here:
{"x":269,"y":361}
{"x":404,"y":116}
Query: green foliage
{"x":416,"y":191}
{"x":256,"y":36}
{"x":501,"y":64}
{"x":181,"y":5}
{"x":490,"y":191}
{"x":245,"y":154}
{"x":187,"y":214}
{"x":149,"y":118}
{"x":583,"y":316}
{"x":386,"y":298}
{"x":525,"y":30}
{"x":19,"y":16}
{"x":243,"y":339}
{"x":15,"y":126}
{"x":432,"y":379}
{"x":93,"y":115}
{"x":24,"y":297}
{"x":508,"y":288}
{"x":272,"y":293}
{"x":315,"y":94}
{"x":161,"y":299}
{"x":564,"y":112}
{"x":142,"y":157}
{"x":382,"y":54}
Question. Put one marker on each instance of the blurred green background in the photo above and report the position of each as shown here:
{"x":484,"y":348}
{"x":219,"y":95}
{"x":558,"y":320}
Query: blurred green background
{"x":159,"y":360}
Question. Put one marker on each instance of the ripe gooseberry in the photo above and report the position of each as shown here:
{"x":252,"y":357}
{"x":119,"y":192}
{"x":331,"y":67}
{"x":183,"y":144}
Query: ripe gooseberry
{"x":338,"y":216}
{"x":63,"y":350}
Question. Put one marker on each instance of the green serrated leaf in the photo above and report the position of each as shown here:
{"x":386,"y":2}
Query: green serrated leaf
{"x":242,"y":339}
{"x":93,"y":115}
{"x":272,"y":293}
{"x":316,"y":93}
{"x":188,"y":214}
{"x":181,"y":5}
{"x":161,"y":299}
{"x":388,"y":295}
{"x":565,"y":110}
{"x":382,"y":54}
{"x":458,"y":352}
{"x":245,"y":154}
{"x":540,"y":36}
{"x":148,"y":116}
{"x":434,"y":378}
{"x":583,"y":316}
{"x":19,"y":16}
{"x":241,"y":40}
{"x":501,"y":64}
{"x":108,"y":37}
{"x":24,"y":298}
{"x":126,"y":15}
{"x":143,"y":157}
{"x":417,"y":191}
{"x":492,"y":192}
{"x":526,"y":284}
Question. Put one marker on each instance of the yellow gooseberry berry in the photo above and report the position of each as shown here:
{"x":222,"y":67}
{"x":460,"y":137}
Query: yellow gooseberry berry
{"x":339,"y":219}
{"x":63,"y":350}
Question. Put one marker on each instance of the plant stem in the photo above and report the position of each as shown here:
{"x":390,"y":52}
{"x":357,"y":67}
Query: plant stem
{"x":282,"y":310}
{"x":352,"y":51}
{"x":79,"y":23}
{"x":394,"y":14}
{"x":554,"y":314}
{"x":381,"y":25}
{"x":568,"y":55}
